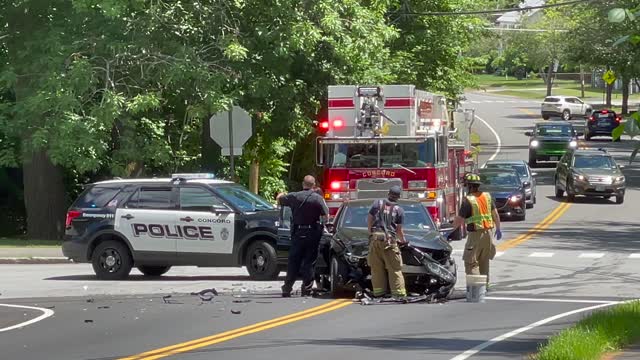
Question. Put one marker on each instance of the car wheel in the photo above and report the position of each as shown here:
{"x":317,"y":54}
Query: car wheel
{"x":619,"y":199}
{"x":112,"y":260}
{"x":533,"y":162}
{"x":337,"y":291}
{"x":571,"y":197}
{"x":545,"y":117}
{"x":566,"y":115}
{"x":154,"y":270}
{"x":261,"y":261}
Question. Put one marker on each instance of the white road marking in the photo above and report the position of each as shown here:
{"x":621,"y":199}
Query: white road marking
{"x":499,"y":253}
{"x":577,"y":301}
{"x":458,"y":251}
{"x":541,"y":254}
{"x":591,"y":255}
{"x":46,"y":313}
{"x":498,"y":140}
{"x":634,"y":256}
{"x":469,"y":353}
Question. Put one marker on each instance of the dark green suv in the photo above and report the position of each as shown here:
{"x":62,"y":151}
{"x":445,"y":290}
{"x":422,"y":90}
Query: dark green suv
{"x":550,"y":140}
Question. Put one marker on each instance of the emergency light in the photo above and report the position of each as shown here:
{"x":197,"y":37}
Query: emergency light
{"x":187,"y":176}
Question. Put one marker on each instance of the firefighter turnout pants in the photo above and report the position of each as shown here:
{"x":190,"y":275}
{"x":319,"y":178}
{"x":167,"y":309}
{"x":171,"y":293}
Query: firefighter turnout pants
{"x":478,"y":251}
{"x":386,"y":267}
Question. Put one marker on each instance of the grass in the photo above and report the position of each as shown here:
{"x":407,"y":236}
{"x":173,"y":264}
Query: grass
{"x":18,"y":242}
{"x":493,"y":81}
{"x":603,"y":331}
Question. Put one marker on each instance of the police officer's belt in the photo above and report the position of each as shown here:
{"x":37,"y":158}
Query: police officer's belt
{"x":305,"y":226}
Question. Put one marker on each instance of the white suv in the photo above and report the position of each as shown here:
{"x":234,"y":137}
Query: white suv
{"x":564,"y":106}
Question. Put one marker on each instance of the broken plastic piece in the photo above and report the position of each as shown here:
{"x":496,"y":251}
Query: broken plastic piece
{"x":236,"y":312}
{"x":242,"y":301}
{"x":90,"y":300}
{"x":88,"y":321}
{"x":104,"y":307}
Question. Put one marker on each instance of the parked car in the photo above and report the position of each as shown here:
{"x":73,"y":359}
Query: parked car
{"x":550,"y":140}
{"x":566,"y":107}
{"x":601,"y":123}
{"x":506,"y":190}
{"x":524,"y":172}
{"x":591,"y":173}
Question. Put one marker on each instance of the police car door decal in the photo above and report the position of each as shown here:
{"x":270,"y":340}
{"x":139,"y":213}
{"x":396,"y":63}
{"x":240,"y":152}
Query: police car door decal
{"x":205,"y":232}
{"x":148,"y":229}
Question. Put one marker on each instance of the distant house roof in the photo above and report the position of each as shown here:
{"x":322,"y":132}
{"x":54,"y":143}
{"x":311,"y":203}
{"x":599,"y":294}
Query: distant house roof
{"x":513,"y":17}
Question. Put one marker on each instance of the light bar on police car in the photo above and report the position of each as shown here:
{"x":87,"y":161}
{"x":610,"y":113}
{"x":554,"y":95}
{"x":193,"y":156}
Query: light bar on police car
{"x":187,"y":176}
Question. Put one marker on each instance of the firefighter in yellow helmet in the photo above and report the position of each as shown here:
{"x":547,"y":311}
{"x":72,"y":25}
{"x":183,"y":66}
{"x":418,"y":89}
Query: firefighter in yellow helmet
{"x":480,"y":216}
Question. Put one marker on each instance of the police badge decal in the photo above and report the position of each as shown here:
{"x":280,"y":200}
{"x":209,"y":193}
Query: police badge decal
{"x":224,"y":234}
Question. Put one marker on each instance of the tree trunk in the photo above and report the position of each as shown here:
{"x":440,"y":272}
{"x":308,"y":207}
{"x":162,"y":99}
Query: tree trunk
{"x":550,"y":79}
{"x":210,"y":160}
{"x":625,"y":94}
{"x":44,"y":197}
{"x":609,"y":91}
{"x":581,"y":81}
{"x":254,"y":176}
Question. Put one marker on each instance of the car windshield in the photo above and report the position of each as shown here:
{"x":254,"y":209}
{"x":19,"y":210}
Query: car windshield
{"x":554,"y":130}
{"x":391,"y":155}
{"x":593,"y":162}
{"x":243,"y":199}
{"x":521,"y":169}
{"x":415,"y":217}
{"x":503,"y":179}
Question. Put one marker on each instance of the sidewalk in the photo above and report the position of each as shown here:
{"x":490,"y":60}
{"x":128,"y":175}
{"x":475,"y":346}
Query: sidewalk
{"x":32,"y":255}
{"x":630,"y":353}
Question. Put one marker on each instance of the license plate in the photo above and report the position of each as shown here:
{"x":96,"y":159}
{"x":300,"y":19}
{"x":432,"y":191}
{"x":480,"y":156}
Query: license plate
{"x":599,"y":188}
{"x":553,"y":158}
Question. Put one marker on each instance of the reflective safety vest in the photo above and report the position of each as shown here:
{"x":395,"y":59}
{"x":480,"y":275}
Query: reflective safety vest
{"x":480,"y":211}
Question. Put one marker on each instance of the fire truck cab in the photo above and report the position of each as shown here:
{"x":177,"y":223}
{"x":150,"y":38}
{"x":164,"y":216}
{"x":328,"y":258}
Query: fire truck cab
{"x":379,"y":136}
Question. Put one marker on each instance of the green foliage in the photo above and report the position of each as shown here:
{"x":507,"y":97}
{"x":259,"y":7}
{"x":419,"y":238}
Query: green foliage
{"x":602,"y":331}
{"x":632,"y":128}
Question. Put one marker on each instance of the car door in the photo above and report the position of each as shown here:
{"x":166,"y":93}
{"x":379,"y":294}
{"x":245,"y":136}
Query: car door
{"x":571,"y":105}
{"x":284,"y":233}
{"x":206,"y":222}
{"x":581,"y":107}
{"x":563,"y":170}
{"x":147,"y":220}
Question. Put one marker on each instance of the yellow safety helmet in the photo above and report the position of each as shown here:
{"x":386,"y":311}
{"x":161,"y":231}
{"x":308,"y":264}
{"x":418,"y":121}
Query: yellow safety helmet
{"x":473,"y":179}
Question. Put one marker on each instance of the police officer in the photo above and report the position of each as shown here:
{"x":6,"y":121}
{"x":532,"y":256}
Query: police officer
{"x":309,"y":213}
{"x":480,"y":215}
{"x":385,"y":234}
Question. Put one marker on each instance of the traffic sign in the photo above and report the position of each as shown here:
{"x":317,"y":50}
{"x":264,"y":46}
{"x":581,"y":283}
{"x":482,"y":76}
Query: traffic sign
{"x":609,"y":77}
{"x":231,"y":130}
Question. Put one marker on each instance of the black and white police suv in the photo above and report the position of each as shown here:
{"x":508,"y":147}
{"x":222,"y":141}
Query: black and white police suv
{"x":189,"y":219}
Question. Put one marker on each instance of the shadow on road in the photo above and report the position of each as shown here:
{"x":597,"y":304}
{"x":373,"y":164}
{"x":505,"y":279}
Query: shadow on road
{"x":134,"y":278}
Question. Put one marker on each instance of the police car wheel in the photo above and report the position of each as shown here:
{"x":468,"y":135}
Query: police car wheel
{"x":337,"y":291}
{"x":111,"y":260}
{"x":262,"y":261}
{"x":154,"y":270}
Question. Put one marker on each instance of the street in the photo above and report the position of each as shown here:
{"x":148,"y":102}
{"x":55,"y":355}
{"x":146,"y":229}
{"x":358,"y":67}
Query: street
{"x":560,"y":263}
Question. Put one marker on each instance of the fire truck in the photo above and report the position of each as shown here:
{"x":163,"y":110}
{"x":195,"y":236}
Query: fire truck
{"x":375,"y":137}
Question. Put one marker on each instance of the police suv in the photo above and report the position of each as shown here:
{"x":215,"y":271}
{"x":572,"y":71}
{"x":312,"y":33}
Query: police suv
{"x":153,"y":224}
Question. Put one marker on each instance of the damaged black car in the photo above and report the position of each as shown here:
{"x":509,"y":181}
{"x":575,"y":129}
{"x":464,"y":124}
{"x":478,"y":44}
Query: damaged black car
{"x":428,"y":266}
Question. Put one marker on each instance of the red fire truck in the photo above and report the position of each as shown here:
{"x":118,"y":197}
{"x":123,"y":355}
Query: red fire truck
{"x":378,"y":136}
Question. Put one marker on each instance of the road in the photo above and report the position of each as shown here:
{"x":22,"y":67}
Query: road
{"x":577,"y":258}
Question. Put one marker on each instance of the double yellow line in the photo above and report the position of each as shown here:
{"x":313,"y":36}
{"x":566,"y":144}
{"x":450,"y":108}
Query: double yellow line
{"x":541,"y":226}
{"x":232,"y":334}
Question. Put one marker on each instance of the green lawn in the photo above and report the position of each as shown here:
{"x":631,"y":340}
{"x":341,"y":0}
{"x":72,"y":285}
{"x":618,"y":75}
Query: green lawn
{"x":492,"y":81}
{"x":17,"y":242}
{"x":601,"y":332}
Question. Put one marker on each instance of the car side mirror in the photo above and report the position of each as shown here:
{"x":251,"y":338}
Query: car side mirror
{"x":534,"y":174}
{"x":526,"y":184}
{"x":220,"y":210}
{"x":528,"y":133}
{"x":621,"y":166}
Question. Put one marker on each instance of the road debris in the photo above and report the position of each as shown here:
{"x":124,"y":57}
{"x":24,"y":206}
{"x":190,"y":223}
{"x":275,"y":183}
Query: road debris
{"x":167,"y":300}
{"x":104,"y":307}
{"x":206,"y":294}
{"x":90,"y":300}
{"x":236,"y":312}
{"x":242,"y":301}
{"x":51,"y":307}
{"x":88,"y":321}
{"x":264,"y":302}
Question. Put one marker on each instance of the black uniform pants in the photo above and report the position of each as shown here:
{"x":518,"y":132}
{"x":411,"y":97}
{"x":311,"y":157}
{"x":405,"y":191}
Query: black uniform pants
{"x":302,"y":256}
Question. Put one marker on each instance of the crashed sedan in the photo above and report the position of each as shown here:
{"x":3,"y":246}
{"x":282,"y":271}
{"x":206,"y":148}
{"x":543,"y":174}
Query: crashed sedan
{"x":428,"y":266}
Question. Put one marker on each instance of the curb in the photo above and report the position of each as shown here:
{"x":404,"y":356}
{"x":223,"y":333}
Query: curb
{"x":35,"y":260}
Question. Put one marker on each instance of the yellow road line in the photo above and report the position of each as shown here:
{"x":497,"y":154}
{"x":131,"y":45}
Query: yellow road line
{"x":541,"y":226}
{"x":246,"y":330}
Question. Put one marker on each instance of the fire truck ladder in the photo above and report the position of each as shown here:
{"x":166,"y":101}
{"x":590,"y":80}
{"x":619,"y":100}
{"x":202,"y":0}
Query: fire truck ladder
{"x":370,"y":120}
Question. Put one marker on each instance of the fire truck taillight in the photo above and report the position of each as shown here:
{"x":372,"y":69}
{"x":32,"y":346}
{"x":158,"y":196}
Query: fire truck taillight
{"x":339,"y":185}
{"x":324,"y":125}
{"x":338,"y":124}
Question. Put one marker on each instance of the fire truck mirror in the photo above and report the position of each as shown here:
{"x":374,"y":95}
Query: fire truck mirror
{"x":319,"y":153}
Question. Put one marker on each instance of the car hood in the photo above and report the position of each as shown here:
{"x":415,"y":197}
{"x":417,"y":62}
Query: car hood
{"x":500,"y":191}
{"x":554,"y":138}
{"x":358,"y":239}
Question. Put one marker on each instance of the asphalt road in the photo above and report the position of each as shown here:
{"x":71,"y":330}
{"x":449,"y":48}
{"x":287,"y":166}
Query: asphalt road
{"x":582,"y":257}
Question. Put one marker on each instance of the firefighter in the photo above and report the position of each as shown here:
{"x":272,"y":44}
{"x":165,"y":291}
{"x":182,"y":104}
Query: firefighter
{"x":481,"y":217}
{"x":309,"y":213}
{"x":385,"y":235}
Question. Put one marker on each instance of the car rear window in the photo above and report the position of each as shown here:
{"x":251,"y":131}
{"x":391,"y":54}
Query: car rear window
{"x":608,"y":115}
{"x":96,"y":197}
{"x":551,"y":99}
